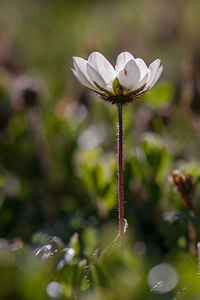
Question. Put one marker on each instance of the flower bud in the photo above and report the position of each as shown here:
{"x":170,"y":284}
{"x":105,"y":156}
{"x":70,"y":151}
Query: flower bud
{"x":183,"y":184}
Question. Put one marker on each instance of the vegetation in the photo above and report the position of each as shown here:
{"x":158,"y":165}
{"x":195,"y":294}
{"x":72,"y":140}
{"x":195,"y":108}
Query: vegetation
{"x":58,"y":167}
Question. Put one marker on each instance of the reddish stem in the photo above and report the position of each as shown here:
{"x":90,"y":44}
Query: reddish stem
{"x":120,"y":177}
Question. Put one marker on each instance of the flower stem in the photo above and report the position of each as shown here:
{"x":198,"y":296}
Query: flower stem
{"x":120,"y":176}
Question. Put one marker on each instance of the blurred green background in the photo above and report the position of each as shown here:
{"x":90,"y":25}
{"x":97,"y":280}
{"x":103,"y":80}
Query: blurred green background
{"x":58,"y":171}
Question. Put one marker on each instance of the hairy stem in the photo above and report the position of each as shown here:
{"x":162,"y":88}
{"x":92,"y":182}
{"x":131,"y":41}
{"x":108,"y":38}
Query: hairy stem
{"x":188,"y":201}
{"x":120,"y":176}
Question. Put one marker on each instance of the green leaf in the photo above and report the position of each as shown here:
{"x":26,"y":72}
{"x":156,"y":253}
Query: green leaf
{"x":74,"y":243}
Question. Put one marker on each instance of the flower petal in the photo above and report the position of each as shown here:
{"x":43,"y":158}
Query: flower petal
{"x":102,"y":66}
{"x":81,"y":73}
{"x":129,"y":76}
{"x":157,"y":76}
{"x":140,"y":83}
{"x":153,"y":68}
{"x":95,"y":76}
{"x":122,"y":60}
{"x":142,"y":66}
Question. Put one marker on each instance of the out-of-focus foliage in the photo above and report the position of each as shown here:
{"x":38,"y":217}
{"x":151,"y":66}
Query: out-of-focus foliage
{"x":58,"y":170}
{"x":161,"y":96}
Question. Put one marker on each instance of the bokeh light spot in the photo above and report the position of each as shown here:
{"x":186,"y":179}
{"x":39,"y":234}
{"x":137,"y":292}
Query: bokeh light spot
{"x":162,"y":278}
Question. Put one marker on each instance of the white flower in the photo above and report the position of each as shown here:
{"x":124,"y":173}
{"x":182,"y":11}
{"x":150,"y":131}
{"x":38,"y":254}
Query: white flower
{"x":129,"y":80}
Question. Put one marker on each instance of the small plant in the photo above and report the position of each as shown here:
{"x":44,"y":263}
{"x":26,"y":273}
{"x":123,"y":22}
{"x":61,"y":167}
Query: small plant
{"x":128,"y":81}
